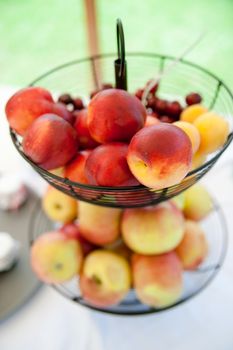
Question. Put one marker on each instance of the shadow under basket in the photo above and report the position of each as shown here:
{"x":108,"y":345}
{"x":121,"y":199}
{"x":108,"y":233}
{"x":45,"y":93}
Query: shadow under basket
{"x":82,"y":76}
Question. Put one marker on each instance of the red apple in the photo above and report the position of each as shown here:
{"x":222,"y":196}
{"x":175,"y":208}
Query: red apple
{"x":115,"y":115}
{"x":107,"y":166}
{"x":50,"y":142}
{"x":80,"y":125}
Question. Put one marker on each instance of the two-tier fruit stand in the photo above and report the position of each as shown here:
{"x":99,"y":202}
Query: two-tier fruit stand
{"x":84,"y":75}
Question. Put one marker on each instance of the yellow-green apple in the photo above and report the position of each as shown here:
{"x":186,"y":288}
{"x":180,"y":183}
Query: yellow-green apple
{"x":72,"y":231}
{"x":105,"y":279}
{"x":58,"y":206}
{"x":197,"y":203}
{"x":99,"y":225}
{"x":50,"y":142}
{"x":30,"y":103}
{"x":107,"y":166}
{"x":115,"y":115}
{"x":160,"y":155}
{"x":178,"y":200}
{"x":80,"y":125}
{"x":193,"y":248}
{"x":75,"y":169}
{"x":55,"y":258}
{"x":153,"y":230}
{"x":157,"y":279}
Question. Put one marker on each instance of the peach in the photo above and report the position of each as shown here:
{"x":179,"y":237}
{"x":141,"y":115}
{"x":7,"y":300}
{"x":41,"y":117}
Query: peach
{"x":50,"y":142}
{"x":74,"y":170}
{"x":107,"y":166}
{"x":72,"y":231}
{"x":193,"y":248}
{"x":153,"y":230}
{"x":192,"y":112}
{"x":58,"y":206}
{"x":191,"y":132}
{"x":199,"y":158}
{"x":54,"y":258}
{"x":157,"y":280}
{"x":214,"y":131}
{"x":115,"y":115}
{"x":105,"y":278}
{"x":99,"y":225}
{"x":198,"y":203}
{"x":80,"y":125}
{"x":160,"y":155}
{"x":151,"y":120}
{"x":30,"y":103}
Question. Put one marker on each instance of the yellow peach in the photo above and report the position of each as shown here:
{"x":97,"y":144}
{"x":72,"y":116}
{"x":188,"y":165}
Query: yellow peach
{"x":199,"y":158}
{"x":190,"y":113}
{"x":192,"y":132}
{"x":213,"y":129}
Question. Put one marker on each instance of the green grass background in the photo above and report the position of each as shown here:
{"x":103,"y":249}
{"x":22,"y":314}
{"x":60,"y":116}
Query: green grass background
{"x":36,"y":35}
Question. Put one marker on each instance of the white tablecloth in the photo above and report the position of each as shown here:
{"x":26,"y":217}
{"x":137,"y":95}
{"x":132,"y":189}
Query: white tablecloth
{"x":50,"y":322}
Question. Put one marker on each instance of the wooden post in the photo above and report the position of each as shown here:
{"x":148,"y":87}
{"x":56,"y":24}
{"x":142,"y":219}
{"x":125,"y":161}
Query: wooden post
{"x":92,"y":30}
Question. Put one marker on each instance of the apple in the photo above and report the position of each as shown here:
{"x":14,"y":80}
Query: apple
{"x":157,"y":280}
{"x":55,"y":258}
{"x":58,"y":206}
{"x":115,"y":115}
{"x":50,"y":142}
{"x":193,"y":248}
{"x":107,"y":166}
{"x":197,"y":203}
{"x":160,"y":155}
{"x":105,"y":278}
{"x":152,"y":230}
{"x":99,"y":225}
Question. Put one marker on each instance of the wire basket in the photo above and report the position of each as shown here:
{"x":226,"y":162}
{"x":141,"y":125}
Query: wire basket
{"x":215,"y":229}
{"x":82,"y":76}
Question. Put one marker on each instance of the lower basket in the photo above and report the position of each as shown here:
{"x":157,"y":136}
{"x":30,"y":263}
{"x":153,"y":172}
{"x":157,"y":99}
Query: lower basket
{"x":194,"y":281}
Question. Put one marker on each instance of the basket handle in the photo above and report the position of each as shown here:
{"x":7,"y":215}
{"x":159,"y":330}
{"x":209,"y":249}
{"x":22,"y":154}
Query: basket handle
{"x":120,"y":62}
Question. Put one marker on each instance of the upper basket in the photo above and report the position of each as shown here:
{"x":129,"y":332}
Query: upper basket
{"x":82,"y":76}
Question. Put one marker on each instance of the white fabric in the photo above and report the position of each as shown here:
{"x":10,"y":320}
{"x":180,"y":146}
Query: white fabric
{"x":50,"y":322}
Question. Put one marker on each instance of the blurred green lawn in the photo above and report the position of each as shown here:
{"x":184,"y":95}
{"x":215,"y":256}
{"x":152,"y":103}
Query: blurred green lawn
{"x":36,"y":35}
